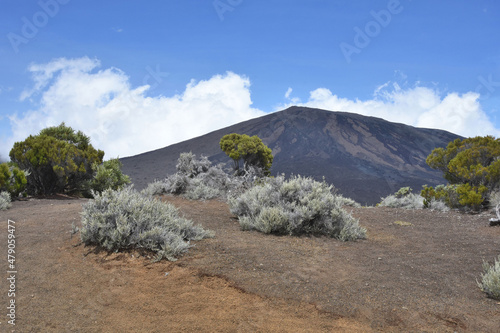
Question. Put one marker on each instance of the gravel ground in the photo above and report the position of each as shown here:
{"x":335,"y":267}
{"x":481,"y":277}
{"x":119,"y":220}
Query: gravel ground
{"x":418,"y":276}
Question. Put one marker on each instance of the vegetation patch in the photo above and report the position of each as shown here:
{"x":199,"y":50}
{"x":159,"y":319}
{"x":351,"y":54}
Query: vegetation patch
{"x":124,"y":219}
{"x":490,"y":279}
{"x":58,"y":160}
{"x":249,"y":149}
{"x":12,"y":179}
{"x":472,"y":166}
{"x":4,"y":200}
{"x":197,"y":179}
{"x":403,"y":223}
{"x":296,"y":206}
{"x":108,"y":175}
{"x":403,"y":199}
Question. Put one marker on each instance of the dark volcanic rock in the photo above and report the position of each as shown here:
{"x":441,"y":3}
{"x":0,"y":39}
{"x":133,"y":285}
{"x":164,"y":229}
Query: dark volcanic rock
{"x":366,"y":158}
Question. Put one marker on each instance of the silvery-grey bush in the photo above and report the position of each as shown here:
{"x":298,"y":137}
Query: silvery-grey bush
{"x":495,"y":202}
{"x":490,"y":279}
{"x":190,"y":166}
{"x":296,"y":206}
{"x":198,"y":179}
{"x":349,"y":202}
{"x":438,"y":205}
{"x":404,"y":198}
{"x":409,"y":201}
{"x":5,"y":201}
{"x":125,"y":218}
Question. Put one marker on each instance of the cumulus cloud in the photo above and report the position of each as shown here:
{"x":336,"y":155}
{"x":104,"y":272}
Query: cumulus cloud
{"x":416,"y":106}
{"x":293,"y":100}
{"x":122,"y":120}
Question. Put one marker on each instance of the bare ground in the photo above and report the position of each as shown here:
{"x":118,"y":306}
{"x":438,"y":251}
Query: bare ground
{"x":403,"y":278}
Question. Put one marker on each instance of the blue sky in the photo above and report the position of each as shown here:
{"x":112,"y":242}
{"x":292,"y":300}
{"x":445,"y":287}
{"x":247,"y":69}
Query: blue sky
{"x":140,"y":75}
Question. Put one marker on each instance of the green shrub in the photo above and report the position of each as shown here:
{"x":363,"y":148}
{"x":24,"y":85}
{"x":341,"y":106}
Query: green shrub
{"x":471,"y":160}
{"x":12,"y":179}
{"x":490,"y":279}
{"x":57,"y":160}
{"x":471,"y":196}
{"x":295,"y":206}
{"x":445,"y":193}
{"x":456,"y":196}
{"x":249,"y":149}
{"x":403,"y":192}
{"x":125,"y":219}
{"x":4,"y":200}
{"x":473,"y":165}
{"x":108,"y":175}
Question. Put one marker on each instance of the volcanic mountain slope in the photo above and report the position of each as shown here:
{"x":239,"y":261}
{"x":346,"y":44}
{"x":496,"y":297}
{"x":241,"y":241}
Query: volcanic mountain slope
{"x":366,"y":158}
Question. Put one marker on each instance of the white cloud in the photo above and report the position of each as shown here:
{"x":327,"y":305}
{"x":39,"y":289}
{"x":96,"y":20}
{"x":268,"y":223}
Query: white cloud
{"x":294,"y":100}
{"x":122,"y":120}
{"x":43,"y":73}
{"x":417,"y":106}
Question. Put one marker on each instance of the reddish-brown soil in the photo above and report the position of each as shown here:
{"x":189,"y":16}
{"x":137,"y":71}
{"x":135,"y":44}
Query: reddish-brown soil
{"x":403,"y":278}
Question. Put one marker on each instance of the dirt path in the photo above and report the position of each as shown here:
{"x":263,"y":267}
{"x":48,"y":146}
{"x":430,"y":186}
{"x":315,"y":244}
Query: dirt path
{"x":403,"y":278}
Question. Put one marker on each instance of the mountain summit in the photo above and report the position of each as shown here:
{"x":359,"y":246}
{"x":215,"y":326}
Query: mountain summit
{"x":365,"y":158}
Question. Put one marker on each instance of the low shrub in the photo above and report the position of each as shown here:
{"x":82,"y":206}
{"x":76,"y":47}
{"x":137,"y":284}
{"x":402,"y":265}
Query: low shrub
{"x":437,"y":205}
{"x":190,"y":166}
{"x":158,"y":187}
{"x":12,"y":179}
{"x":403,"y":192}
{"x":198,"y":189}
{"x":409,"y":201}
{"x":108,"y":175}
{"x":5,"y":201}
{"x":198,"y":179}
{"x":349,"y":202}
{"x":490,"y":279}
{"x":296,"y":206}
{"x":494,"y":201}
{"x":462,"y":196}
{"x":471,"y":197}
{"x":123,"y":219}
